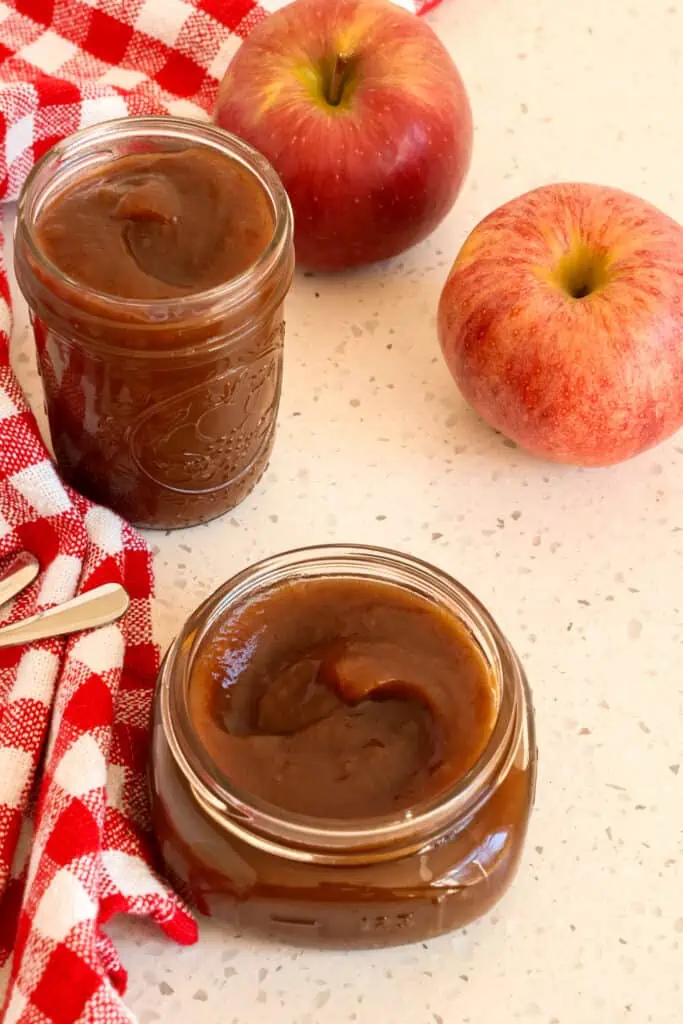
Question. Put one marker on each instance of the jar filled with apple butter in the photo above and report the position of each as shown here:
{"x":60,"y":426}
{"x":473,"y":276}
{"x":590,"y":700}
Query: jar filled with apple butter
{"x":155,"y":255}
{"x":343,"y":751}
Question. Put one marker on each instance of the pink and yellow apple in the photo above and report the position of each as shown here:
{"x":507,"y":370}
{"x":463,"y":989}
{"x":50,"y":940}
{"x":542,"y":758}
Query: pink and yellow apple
{"x":364,"y":115}
{"x":562,"y":323}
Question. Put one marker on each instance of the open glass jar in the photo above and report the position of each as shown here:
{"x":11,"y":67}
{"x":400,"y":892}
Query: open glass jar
{"x":163,"y":409}
{"x":427,"y":870}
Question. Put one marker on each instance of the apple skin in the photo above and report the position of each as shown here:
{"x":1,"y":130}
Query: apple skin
{"x":586,"y":379}
{"x":374,"y":175}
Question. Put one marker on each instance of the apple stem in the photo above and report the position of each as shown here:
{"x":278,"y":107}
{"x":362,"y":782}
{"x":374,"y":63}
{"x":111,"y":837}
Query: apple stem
{"x":335,"y":87}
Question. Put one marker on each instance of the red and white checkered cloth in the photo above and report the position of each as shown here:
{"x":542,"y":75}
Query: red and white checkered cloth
{"x":74,"y":722}
{"x":74,"y":715}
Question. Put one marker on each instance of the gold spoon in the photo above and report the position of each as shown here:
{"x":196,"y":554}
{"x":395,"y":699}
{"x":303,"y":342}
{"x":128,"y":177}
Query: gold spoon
{"x":98,"y":607}
{"x":24,"y":571}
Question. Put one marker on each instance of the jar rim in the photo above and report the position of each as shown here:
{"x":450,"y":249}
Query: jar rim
{"x":222,"y":297}
{"x":293,"y":834}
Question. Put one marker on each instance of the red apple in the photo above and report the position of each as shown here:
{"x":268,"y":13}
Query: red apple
{"x":562,"y":323}
{"x":362,"y":112}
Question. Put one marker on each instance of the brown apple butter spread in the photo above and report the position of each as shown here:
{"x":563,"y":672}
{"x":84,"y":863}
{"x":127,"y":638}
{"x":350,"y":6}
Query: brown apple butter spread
{"x":158,"y":225}
{"x":155,"y":255}
{"x":341,"y":698}
{"x":343,"y":751}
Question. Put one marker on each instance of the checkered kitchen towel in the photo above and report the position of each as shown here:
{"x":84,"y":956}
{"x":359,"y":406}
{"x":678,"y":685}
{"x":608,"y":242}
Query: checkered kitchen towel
{"x":74,"y":715}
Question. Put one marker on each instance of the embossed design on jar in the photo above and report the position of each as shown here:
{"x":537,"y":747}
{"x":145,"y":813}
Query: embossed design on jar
{"x":212,"y":435}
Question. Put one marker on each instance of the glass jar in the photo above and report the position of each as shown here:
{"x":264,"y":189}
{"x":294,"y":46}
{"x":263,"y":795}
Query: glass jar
{"x":379,"y":881}
{"x":163,"y":410}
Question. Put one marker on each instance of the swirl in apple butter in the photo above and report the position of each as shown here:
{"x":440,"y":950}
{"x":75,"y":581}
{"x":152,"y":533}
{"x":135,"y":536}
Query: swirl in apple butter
{"x":158,"y":225}
{"x":341,"y":698}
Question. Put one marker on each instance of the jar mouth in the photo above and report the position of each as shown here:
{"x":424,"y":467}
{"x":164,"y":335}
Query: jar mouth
{"x":245,"y":813}
{"x":80,"y":151}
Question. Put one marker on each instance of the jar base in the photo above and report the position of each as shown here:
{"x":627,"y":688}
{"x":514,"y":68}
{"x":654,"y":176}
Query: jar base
{"x":349,"y":925}
{"x":159,"y":522}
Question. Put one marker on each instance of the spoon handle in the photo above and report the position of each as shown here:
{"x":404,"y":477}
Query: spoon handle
{"x":98,"y":607}
{"x":25,"y":571}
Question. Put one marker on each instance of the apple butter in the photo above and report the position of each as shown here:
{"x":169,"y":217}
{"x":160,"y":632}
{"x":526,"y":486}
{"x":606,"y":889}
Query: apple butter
{"x":155,"y":255}
{"x":157,"y":225}
{"x":341,"y":698}
{"x":343,"y":751}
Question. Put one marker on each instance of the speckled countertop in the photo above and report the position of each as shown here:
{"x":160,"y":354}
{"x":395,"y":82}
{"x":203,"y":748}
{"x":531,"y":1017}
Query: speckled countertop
{"x":583,"y":569}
